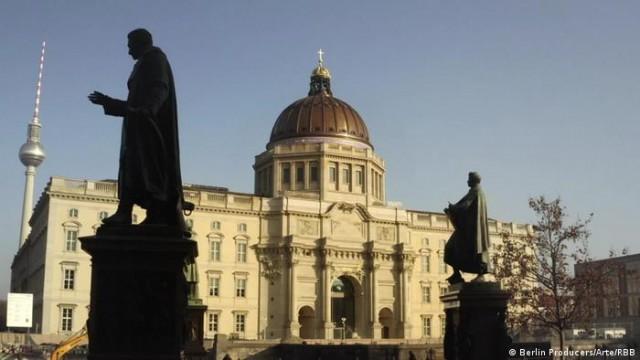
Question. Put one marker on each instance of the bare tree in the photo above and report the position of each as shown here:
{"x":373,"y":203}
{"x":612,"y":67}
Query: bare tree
{"x":537,"y":269}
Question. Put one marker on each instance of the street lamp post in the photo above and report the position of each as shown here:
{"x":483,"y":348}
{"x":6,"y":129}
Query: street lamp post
{"x":344,"y":327}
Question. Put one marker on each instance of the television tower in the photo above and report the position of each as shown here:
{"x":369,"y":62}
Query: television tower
{"x":31,"y":155}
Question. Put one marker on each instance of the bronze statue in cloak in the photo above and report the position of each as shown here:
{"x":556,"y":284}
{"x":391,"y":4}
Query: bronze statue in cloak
{"x":468,"y":247}
{"x":149,"y":174}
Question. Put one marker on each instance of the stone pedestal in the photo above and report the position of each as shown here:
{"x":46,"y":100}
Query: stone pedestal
{"x":138,"y":292}
{"x":376,"y":330}
{"x":475,"y":327}
{"x":194,"y":344}
{"x":328,"y":329}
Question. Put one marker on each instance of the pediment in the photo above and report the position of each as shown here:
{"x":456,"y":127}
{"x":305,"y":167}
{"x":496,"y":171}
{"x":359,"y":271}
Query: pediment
{"x":347,"y":221}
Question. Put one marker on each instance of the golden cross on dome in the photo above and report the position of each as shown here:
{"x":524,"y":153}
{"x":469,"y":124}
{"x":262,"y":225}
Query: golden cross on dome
{"x":320,"y":59}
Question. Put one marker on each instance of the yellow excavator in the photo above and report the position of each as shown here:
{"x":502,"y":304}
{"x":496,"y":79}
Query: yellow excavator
{"x":70,"y":343}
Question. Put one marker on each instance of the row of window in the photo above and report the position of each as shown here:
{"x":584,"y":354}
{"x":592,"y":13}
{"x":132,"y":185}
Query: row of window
{"x":213,"y":286}
{"x":426,"y":293}
{"x":215,"y":225}
{"x":301,"y":170}
{"x":71,"y":241}
{"x":425,"y":244}
{"x":213,"y":320}
{"x":427,"y":324}
{"x":239,"y":322}
{"x":346,"y":177}
{"x":425,"y":264}
{"x":215,"y":250}
{"x":73,"y":213}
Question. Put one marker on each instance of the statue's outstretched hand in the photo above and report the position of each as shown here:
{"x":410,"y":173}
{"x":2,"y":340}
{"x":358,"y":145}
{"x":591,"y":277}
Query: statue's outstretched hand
{"x":98,"y":98}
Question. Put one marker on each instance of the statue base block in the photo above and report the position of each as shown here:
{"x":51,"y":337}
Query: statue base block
{"x":193,"y":346}
{"x":475,"y":327}
{"x":138,"y":292}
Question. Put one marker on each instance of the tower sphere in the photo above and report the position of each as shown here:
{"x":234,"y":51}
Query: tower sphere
{"x":31,"y":154}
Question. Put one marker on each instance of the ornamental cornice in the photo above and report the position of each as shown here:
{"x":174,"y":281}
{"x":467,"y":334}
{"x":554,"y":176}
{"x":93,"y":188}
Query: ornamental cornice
{"x":436,"y":230}
{"x":83,"y":197}
{"x":375,"y":221}
{"x":304,"y":214}
{"x":212,"y":209}
{"x":296,"y":155}
{"x":345,"y":157}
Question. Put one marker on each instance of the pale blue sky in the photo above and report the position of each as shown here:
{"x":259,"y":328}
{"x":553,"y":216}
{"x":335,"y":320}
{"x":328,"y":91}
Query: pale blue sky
{"x":540,"y":97}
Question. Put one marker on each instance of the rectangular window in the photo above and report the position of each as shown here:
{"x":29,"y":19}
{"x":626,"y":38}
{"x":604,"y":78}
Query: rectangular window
{"x":71,"y":240}
{"x":443,"y":265}
{"x":425,"y":243}
{"x":214,"y":286}
{"x":443,"y":325}
{"x":426,"y":294}
{"x":313,"y":167}
{"x":212,"y":323}
{"x":443,"y":290}
{"x":286,"y":174}
{"x":239,"y":325}
{"x":346,"y":175}
{"x":69,"y":279}
{"x":425,"y":264}
{"x":300,"y":173}
{"x":214,"y":250}
{"x":359,"y":178}
{"x":426,"y":326}
{"x":333,"y":173}
{"x":67,"y":319}
{"x":372,"y":181}
{"x":241,"y":252}
{"x":241,"y":287}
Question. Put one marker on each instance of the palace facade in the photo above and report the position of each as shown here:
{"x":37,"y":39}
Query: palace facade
{"x":315,"y":252}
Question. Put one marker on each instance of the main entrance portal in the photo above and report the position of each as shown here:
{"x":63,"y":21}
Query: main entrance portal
{"x":343,"y":307}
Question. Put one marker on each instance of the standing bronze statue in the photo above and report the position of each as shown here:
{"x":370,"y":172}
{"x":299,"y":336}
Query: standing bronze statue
{"x":149,"y":174}
{"x":468,"y":247}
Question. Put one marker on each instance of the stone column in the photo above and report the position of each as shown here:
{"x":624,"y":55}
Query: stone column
{"x":326,"y":301}
{"x":138,"y":292}
{"x":293,"y":330}
{"x":376,"y":327}
{"x":405,"y":284}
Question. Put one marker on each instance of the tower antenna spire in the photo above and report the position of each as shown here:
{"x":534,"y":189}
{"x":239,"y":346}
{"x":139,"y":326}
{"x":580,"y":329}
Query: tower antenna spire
{"x":36,"y":110}
{"x":31,"y":155}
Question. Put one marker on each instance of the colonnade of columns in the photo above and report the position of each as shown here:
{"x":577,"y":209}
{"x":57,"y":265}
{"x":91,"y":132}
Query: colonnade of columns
{"x":367,"y":320}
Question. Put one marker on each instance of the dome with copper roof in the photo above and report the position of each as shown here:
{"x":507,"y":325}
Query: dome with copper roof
{"x":320,"y":116}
